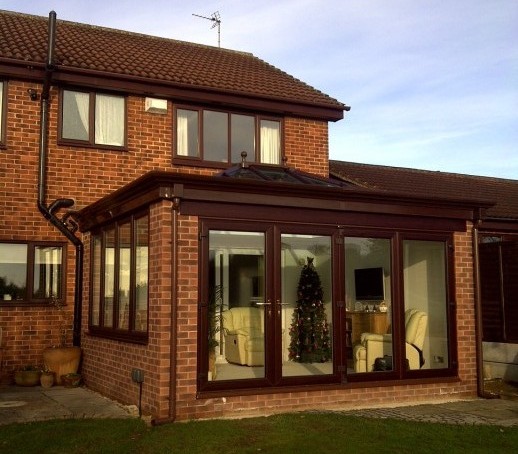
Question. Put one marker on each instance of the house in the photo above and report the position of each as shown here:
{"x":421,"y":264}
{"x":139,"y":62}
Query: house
{"x":177,"y":198}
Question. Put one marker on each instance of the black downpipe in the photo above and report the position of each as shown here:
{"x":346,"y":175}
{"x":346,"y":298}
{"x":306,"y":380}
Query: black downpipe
{"x":65,"y":225}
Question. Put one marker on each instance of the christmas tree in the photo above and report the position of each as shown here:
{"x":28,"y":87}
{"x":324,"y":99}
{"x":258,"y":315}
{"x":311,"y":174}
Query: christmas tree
{"x":309,"y":330}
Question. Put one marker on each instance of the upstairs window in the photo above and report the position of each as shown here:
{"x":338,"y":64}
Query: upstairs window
{"x":3,"y":109}
{"x":31,"y":273}
{"x":90,"y":118}
{"x":221,"y":137}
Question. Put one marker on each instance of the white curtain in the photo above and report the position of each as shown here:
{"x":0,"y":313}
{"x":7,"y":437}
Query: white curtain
{"x":270,"y":142}
{"x":109,"y":120}
{"x":182,"y":136}
{"x":75,"y":115}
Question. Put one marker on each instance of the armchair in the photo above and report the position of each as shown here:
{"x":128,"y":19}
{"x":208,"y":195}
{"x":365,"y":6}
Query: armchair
{"x":243,"y":329}
{"x":374,"y":346}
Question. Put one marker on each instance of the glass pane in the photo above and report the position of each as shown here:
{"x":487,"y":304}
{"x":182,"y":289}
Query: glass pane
{"x":426,"y":326}
{"x":124,"y":275}
{"x":215,"y":136}
{"x":75,"y":115}
{"x":109,"y":277}
{"x":13,"y":271}
{"x":236,"y":310}
{"x":47,"y":272}
{"x":187,"y":133}
{"x":242,"y":137}
{"x":142,"y":273}
{"x":96,"y":281}
{"x":109,"y":120}
{"x":368,"y":305}
{"x":306,"y":305}
{"x":270,"y":142}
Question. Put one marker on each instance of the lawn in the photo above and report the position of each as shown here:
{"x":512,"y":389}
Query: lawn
{"x":292,"y":433}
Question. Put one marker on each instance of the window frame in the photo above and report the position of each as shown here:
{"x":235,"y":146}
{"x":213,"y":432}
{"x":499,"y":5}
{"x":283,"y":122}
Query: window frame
{"x":131,"y":334}
{"x":200,"y":159}
{"x":30,"y":300}
{"x":3,"y":113}
{"x":398,"y":375}
{"x":90,"y":142}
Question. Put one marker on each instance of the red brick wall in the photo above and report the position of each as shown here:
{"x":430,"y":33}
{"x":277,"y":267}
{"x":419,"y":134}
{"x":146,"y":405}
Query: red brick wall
{"x":306,"y":145}
{"x":87,"y":174}
{"x":107,"y":364}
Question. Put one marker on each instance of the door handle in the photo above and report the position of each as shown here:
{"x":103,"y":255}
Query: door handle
{"x":279,"y":304}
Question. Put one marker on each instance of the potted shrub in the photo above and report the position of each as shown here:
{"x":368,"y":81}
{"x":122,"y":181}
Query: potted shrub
{"x":27,"y":376}
{"x":71,"y":380}
{"x":62,"y":359}
{"x":47,"y":377}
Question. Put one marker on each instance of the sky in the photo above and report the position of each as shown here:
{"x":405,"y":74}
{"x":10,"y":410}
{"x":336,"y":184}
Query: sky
{"x":432,"y":84}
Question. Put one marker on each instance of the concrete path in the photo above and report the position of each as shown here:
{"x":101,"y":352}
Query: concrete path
{"x":19,"y":404}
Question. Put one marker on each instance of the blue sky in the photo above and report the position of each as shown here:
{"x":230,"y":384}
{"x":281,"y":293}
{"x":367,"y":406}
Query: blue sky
{"x":433,"y":84}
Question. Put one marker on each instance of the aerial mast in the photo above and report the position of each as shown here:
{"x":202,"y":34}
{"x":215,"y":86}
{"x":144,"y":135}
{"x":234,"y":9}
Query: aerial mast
{"x":216,"y":22}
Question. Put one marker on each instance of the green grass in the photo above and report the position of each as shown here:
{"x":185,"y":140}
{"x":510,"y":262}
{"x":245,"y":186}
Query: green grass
{"x":286,"y":434}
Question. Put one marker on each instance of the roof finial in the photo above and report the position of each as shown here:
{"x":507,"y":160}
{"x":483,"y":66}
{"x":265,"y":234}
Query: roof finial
{"x":244,"y":154}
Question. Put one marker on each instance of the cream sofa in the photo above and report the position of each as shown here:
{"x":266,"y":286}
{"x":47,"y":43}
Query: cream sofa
{"x":243,"y":329}
{"x":374,"y":346}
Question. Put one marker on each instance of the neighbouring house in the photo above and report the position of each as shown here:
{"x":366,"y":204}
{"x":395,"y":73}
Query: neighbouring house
{"x":178,"y":199}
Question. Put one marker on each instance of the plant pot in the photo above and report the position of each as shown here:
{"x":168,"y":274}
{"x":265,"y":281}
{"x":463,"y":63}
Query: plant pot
{"x":71,"y":380}
{"x":27,"y":377}
{"x":62,"y":360}
{"x":47,"y":379}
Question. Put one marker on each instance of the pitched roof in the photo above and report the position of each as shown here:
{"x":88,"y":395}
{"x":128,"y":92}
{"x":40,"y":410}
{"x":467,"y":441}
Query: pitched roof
{"x":503,"y":192}
{"x":81,"y":47}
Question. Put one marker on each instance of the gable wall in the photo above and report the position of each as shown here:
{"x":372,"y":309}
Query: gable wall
{"x":87,"y":174}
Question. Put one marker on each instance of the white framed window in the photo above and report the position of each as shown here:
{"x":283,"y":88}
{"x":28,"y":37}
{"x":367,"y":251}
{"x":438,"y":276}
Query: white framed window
{"x":93,"y":118}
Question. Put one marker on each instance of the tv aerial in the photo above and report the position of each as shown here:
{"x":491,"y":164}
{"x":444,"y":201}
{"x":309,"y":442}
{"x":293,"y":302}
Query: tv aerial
{"x":216,"y":22}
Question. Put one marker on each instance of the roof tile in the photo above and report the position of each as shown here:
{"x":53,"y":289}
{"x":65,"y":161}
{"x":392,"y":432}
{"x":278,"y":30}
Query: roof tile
{"x":24,"y":37}
{"x":432,"y":184}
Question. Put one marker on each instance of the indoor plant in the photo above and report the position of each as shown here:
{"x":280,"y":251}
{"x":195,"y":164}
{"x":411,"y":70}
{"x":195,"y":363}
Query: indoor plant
{"x":62,"y":359}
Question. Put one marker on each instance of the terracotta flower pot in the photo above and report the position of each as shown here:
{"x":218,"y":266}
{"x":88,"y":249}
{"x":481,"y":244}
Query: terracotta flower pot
{"x":47,"y":379}
{"x":62,"y":360}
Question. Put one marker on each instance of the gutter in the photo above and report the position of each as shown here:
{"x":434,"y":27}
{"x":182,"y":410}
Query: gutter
{"x":65,"y":225}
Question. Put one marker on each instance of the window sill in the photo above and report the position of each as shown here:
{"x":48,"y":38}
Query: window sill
{"x":119,"y":335}
{"x":98,"y":147}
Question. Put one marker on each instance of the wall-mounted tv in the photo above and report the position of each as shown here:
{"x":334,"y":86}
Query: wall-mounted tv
{"x":369,"y":284}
